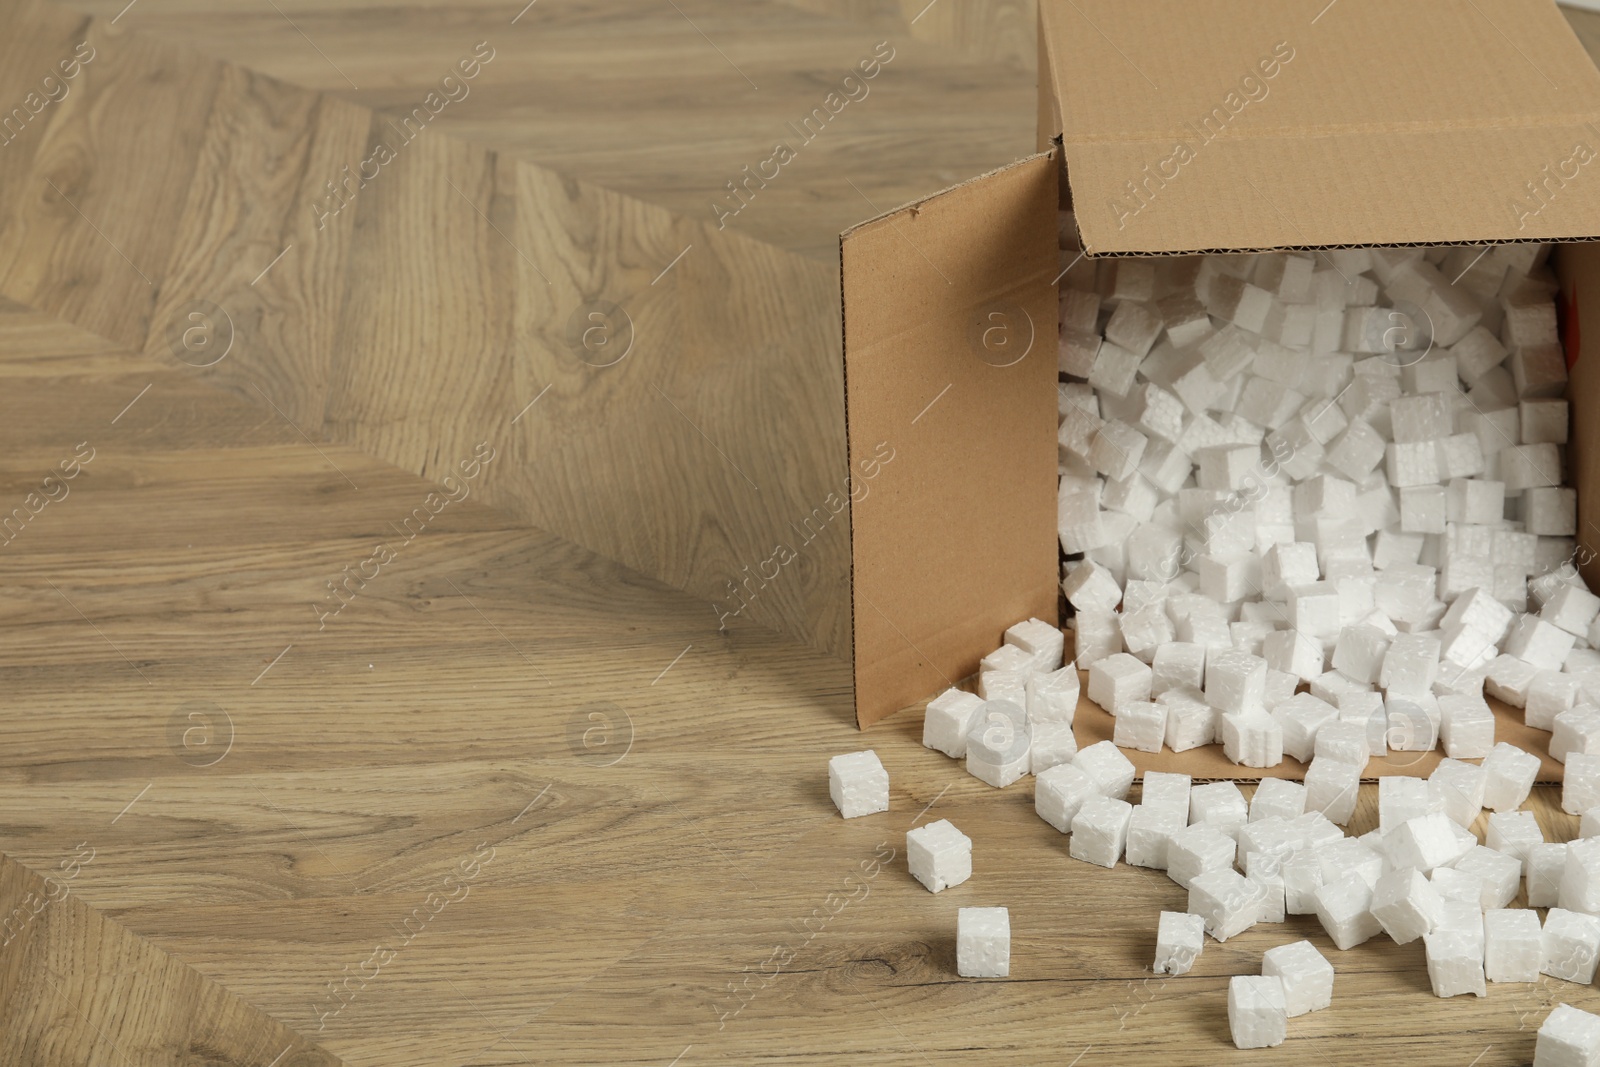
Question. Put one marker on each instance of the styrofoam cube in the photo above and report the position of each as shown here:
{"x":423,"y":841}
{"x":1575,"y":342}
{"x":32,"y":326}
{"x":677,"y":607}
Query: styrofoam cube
{"x":1050,"y":744}
{"x":939,"y":855}
{"x":1150,"y":832}
{"x":1060,"y":791}
{"x":1306,"y":974}
{"x":1412,"y":463}
{"x":1501,"y":875}
{"x":1314,"y":609}
{"x":1410,"y":665}
{"x":1570,"y":945}
{"x":1459,"y":886}
{"x":1546,"y":864}
{"x":1508,"y":679}
{"x":1177,"y":663}
{"x":1042,"y":640}
{"x":1535,"y":641}
{"x":1332,"y":788}
{"x":1007,"y":659}
{"x":1455,"y":963}
{"x":1235,"y":681}
{"x":948,"y":718}
{"x":1360,"y":651}
{"x":1140,"y":725}
{"x":1091,"y":587}
{"x":1509,"y":774}
{"x":1166,"y":791}
{"x":1513,"y":945}
{"x":1466,"y":726}
{"x":1514,"y":833}
{"x":1576,"y":730}
{"x":1550,"y":511}
{"x":983,"y":942}
{"x":1252,"y":739}
{"x":1009,"y":686}
{"x":1288,"y":565}
{"x":1302,"y":716}
{"x":1197,"y":849}
{"x":1406,"y":905}
{"x":1580,"y":877}
{"x":1052,"y":697}
{"x":1108,"y":768}
{"x":1190,"y":720}
{"x":1277,"y":798}
{"x":1119,"y":680}
{"x":1302,"y":877}
{"x":1221,"y":804}
{"x":1425,"y":842}
{"x":1458,"y":788}
{"x":1257,"y":1011}
{"x":1423,"y":508}
{"x":1529,"y":466}
{"x":1568,"y":1037}
{"x":1180,"y":937}
{"x":1100,"y":831}
{"x":1548,"y":695}
{"x":1401,"y":799}
{"x":1366,"y":709}
{"x":1227,"y":901}
{"x":1571,"y":608}
{"x":858,"y":784}
{"x":1580,"y":785}
{"x":1344,"y":908}
{"x":998,"y":743}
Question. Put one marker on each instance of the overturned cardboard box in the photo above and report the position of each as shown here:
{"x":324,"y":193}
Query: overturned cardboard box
{"x":1173,"y":128}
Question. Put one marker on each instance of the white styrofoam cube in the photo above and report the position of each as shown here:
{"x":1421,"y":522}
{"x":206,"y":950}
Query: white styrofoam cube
{"x":1580,"y":877}
{"x":1410,"y":665}
{"x":1568,"y":1037}
{"x":1572,"y":608}
{"x":1466,"y":726}
{"x":1501,"y":875}
{"x":948,"y":718}
{"x":1455,"y":963}
{"x":1549,"y":694}
{"x":1008,"y":658}
{"x":1010,"y":686}
{"x":983,"y":942}
{"x":1366,"y":709}
{"x":1050,"y":744}
{"x":1197,"y":849}
{"x":1166,"y":791}
{"x":1257,"y":1011}
{"x":1459,"y":886}
{"x":1508,"y":679}
{"x":1401,"y":799}
{"x":1140,"y":725}
{"x":1425,"y":842}
{"x":1150,"y":832}
{"x":1051,"y":698}
{"x":1477,"y":501}
{"x":1545,"y":866}
{"x":858,"y":784}
{"x":998,"y":743}
{"x":1288,"y":565}
{"x":1100,"y":831}
{"x":1042,"y":640}
{"x":1119,"y":680}
{"x":1277,"y":798}
{"x":1301,"y":717}
{"x":1177,"y":663}
{"x":1360,"y":651}
{"x":1107,"y":767}
{"x":1513,"y":945}
{"x":1514,"y":833}
{"x":1344,"y":908}
{"x":1458,"y":788}
{"x":1343,"y":742}
{"x":1550,"y":511}
{"x":1529,"y":466}
{"x":1332,"y":788}
{"x":1226,"y":900}
{"x":1580,"y":784}
{"x":1091,"y":587}
{"x":939,"y":855}
{"x":1571,"y":945}
{"x":1221,"y":804}
{"x":1306,"y":974}
{"x":1406,"y":905}
{"x":1190,"y":720}
{"x":1235,"y":681}
{"x":1423,"y":508}
{"x":1180,"y":937}
{"x":1576,"y":730}
{"x":1535,"y":641}
{"x":1252,"y":739}
{"x":1060,"y":791}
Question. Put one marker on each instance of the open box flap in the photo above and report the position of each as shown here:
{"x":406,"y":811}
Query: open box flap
{"x":1238,"y":125}
{"x":950,"y":355}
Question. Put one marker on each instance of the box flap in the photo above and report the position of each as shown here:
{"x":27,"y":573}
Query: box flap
{"x":950,"y":410}
{"x":1251,"y":124}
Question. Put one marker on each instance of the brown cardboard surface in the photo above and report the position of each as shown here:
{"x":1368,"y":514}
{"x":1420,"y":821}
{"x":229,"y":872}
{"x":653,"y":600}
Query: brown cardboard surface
{"x":1381,"y":123}
{"x":954,"y":539}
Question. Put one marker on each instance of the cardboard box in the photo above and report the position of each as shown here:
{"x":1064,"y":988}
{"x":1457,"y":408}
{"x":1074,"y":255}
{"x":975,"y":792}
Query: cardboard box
{"x":1177,"y":128}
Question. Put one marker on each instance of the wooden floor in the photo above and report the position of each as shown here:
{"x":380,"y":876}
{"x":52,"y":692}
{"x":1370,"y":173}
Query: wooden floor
{"x":512,"y":803}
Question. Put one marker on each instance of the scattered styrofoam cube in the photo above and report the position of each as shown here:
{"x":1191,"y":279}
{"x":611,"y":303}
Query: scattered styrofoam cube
{"x":1501,"y":875}
{"x":1197,"y":849}
{"x":1580,"y":877}
{"x":1458,"y":788}
{"x":1455,"y":963}
{"x":1306,"y":974}
{"x":1226,"y":900}
{"x":1576,"y":730}
{"x":1235,"y":681}
{"x":1580,"y":785}
{"x":1108,"y":768}
{"x":1406,"y":905}
{"x":1100,"y":831}
{"x":1258,"y":1014}
{"x":1119,"y":680}
{"x":1252,"y":739}
{"x":998,"y":743}
{"x":1277,"y":798}
{"x":1571,"y":945}
{"x":939,"y":855}
{"x":1548,"y":695}
{"x":1180,"y":937}
{"x":1514,"y":833}
{"x":1401,"y":799}
{"x":1345,"y":909}
{"x":1050,"y":744}
{"x":1150,"y":833}
{"x":1177,"y":663}
{"x":1091,"y":587}
{"x":983,"y":942}
{"x":1466,"y":726}
{"x":1332,"y":788}
{"x":1050,"y":698}
{"x":1140,"y":725}
{"x":1060,"y":791}
{"x":1545,"y":865}
{"x":1513,"y":945}
{"x":1568,"y":1037}
{"x":948,"y":718}
{"x":1191,"y":722}
{"x":1425,"y":842}
{"x":858,"y":784}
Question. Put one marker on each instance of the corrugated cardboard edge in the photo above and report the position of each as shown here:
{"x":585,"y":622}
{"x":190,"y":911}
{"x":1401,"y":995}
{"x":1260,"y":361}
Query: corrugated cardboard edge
{"x":1000,"y":232}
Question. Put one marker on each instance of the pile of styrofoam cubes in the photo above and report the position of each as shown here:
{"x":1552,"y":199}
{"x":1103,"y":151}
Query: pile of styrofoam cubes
{"x":1341,"y":473}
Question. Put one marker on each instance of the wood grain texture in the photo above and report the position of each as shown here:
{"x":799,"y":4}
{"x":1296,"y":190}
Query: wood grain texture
{"x":420,"y":307}
{"x":648,"y":885}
